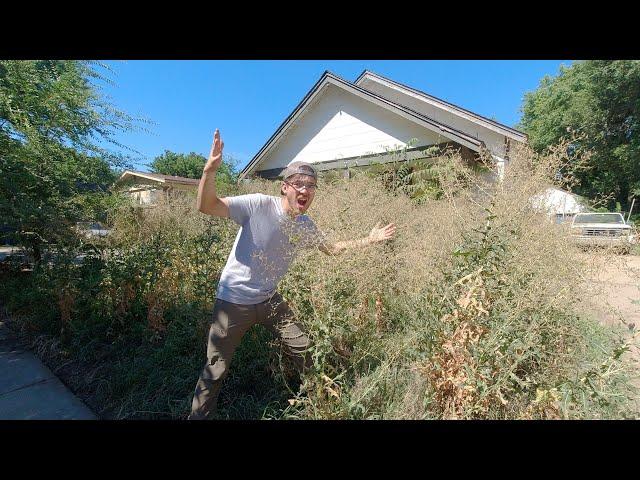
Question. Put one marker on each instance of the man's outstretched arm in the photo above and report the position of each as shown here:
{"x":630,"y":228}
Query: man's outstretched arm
{"x":208,"y":201}
{"x":378,"y":234}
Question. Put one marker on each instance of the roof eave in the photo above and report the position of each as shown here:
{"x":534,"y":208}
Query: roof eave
{"x":512,"y":132}
{"x":462,"y":138}
{"x":130,"y":173}
{"x":283,"y":125}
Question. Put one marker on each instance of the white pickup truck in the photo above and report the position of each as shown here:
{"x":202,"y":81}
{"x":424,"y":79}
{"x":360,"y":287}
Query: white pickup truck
{"x":603,"y":229}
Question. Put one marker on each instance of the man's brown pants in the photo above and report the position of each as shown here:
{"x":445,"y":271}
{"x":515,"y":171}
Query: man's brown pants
{"x":230,"y":322}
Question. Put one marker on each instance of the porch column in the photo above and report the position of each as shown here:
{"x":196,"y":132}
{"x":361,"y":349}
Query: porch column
{"x":500,"y":164}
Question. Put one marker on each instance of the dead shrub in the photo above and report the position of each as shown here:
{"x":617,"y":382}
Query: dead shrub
{"x":475,"y":301}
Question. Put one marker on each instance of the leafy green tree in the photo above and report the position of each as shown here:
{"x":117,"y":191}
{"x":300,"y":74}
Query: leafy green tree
{"x":190,"y":166}
{"x":53,"y":169}
{"x":179,"y":164}
{"x":599,"y":102}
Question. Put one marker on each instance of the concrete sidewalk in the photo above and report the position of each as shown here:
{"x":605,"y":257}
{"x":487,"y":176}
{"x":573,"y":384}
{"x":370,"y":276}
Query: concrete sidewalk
{"x":29,"y":390}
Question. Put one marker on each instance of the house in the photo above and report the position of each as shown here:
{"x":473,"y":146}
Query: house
{"x":341,"y":125}
{"x":558,"y":204}
{"x":148,"y":188}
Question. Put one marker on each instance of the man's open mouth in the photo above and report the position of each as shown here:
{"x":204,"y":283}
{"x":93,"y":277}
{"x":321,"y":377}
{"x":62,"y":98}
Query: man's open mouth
{"x":302,"y":202}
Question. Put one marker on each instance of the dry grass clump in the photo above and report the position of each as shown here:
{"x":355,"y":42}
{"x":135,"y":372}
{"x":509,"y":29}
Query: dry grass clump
{"x":136,"y":308}
{"x":472,"y":311}
{"x":173,"y":214}
{"x":170,"y":253}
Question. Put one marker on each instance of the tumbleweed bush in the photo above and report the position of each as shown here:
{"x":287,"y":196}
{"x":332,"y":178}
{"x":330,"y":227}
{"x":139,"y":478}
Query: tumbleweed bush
{"x":474,"y":310}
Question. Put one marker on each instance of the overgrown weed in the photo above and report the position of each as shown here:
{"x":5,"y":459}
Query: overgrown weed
{"x":473,"y":310}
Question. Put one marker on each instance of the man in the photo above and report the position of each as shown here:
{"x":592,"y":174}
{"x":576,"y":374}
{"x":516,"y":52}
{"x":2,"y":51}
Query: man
{"x":271,"y":230}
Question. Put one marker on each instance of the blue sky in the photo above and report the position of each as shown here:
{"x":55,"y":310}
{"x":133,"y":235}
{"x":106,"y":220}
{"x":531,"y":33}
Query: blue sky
{"x":249,"y":99}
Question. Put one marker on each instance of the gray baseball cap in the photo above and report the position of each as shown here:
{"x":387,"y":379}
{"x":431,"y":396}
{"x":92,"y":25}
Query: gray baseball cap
{"x":301,"y":168}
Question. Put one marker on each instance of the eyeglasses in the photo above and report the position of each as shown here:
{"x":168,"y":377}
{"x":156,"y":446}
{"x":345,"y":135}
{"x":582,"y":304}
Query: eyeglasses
{"x":300,"y":185}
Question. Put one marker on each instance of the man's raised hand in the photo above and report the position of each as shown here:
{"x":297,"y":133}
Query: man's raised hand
{"x":215,"y":155}
{"x":380,"y":233}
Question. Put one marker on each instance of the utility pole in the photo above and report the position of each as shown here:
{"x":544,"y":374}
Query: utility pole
{"x":631,"y":209}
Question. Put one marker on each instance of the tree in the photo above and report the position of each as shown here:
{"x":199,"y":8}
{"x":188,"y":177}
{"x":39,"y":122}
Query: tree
{"x":53,"y":172}
{"x":179,"y":164}
{"x":191,"y":165}
{"x":599,"y":102}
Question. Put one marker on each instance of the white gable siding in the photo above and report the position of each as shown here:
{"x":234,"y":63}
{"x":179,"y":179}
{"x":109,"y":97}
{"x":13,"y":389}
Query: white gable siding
{"x":342,"y":125}
{"x":493,"y":140}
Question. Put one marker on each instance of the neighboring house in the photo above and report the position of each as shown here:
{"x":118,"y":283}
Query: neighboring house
{"x":148,"y":188}
{"x":559,"y":204}
{"x":341,"y":125}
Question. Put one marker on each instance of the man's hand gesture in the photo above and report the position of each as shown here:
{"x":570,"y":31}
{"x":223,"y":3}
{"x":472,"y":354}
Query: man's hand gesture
{"x":215,"y":155}
{"x":380,"y":233}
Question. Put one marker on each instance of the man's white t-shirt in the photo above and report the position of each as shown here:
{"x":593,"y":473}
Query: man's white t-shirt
{"x":264,"y":248}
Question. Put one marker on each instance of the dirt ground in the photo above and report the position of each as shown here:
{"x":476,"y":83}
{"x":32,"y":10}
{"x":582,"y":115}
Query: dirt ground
{"x":615,"y":284}
{"x":613,"y":288}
